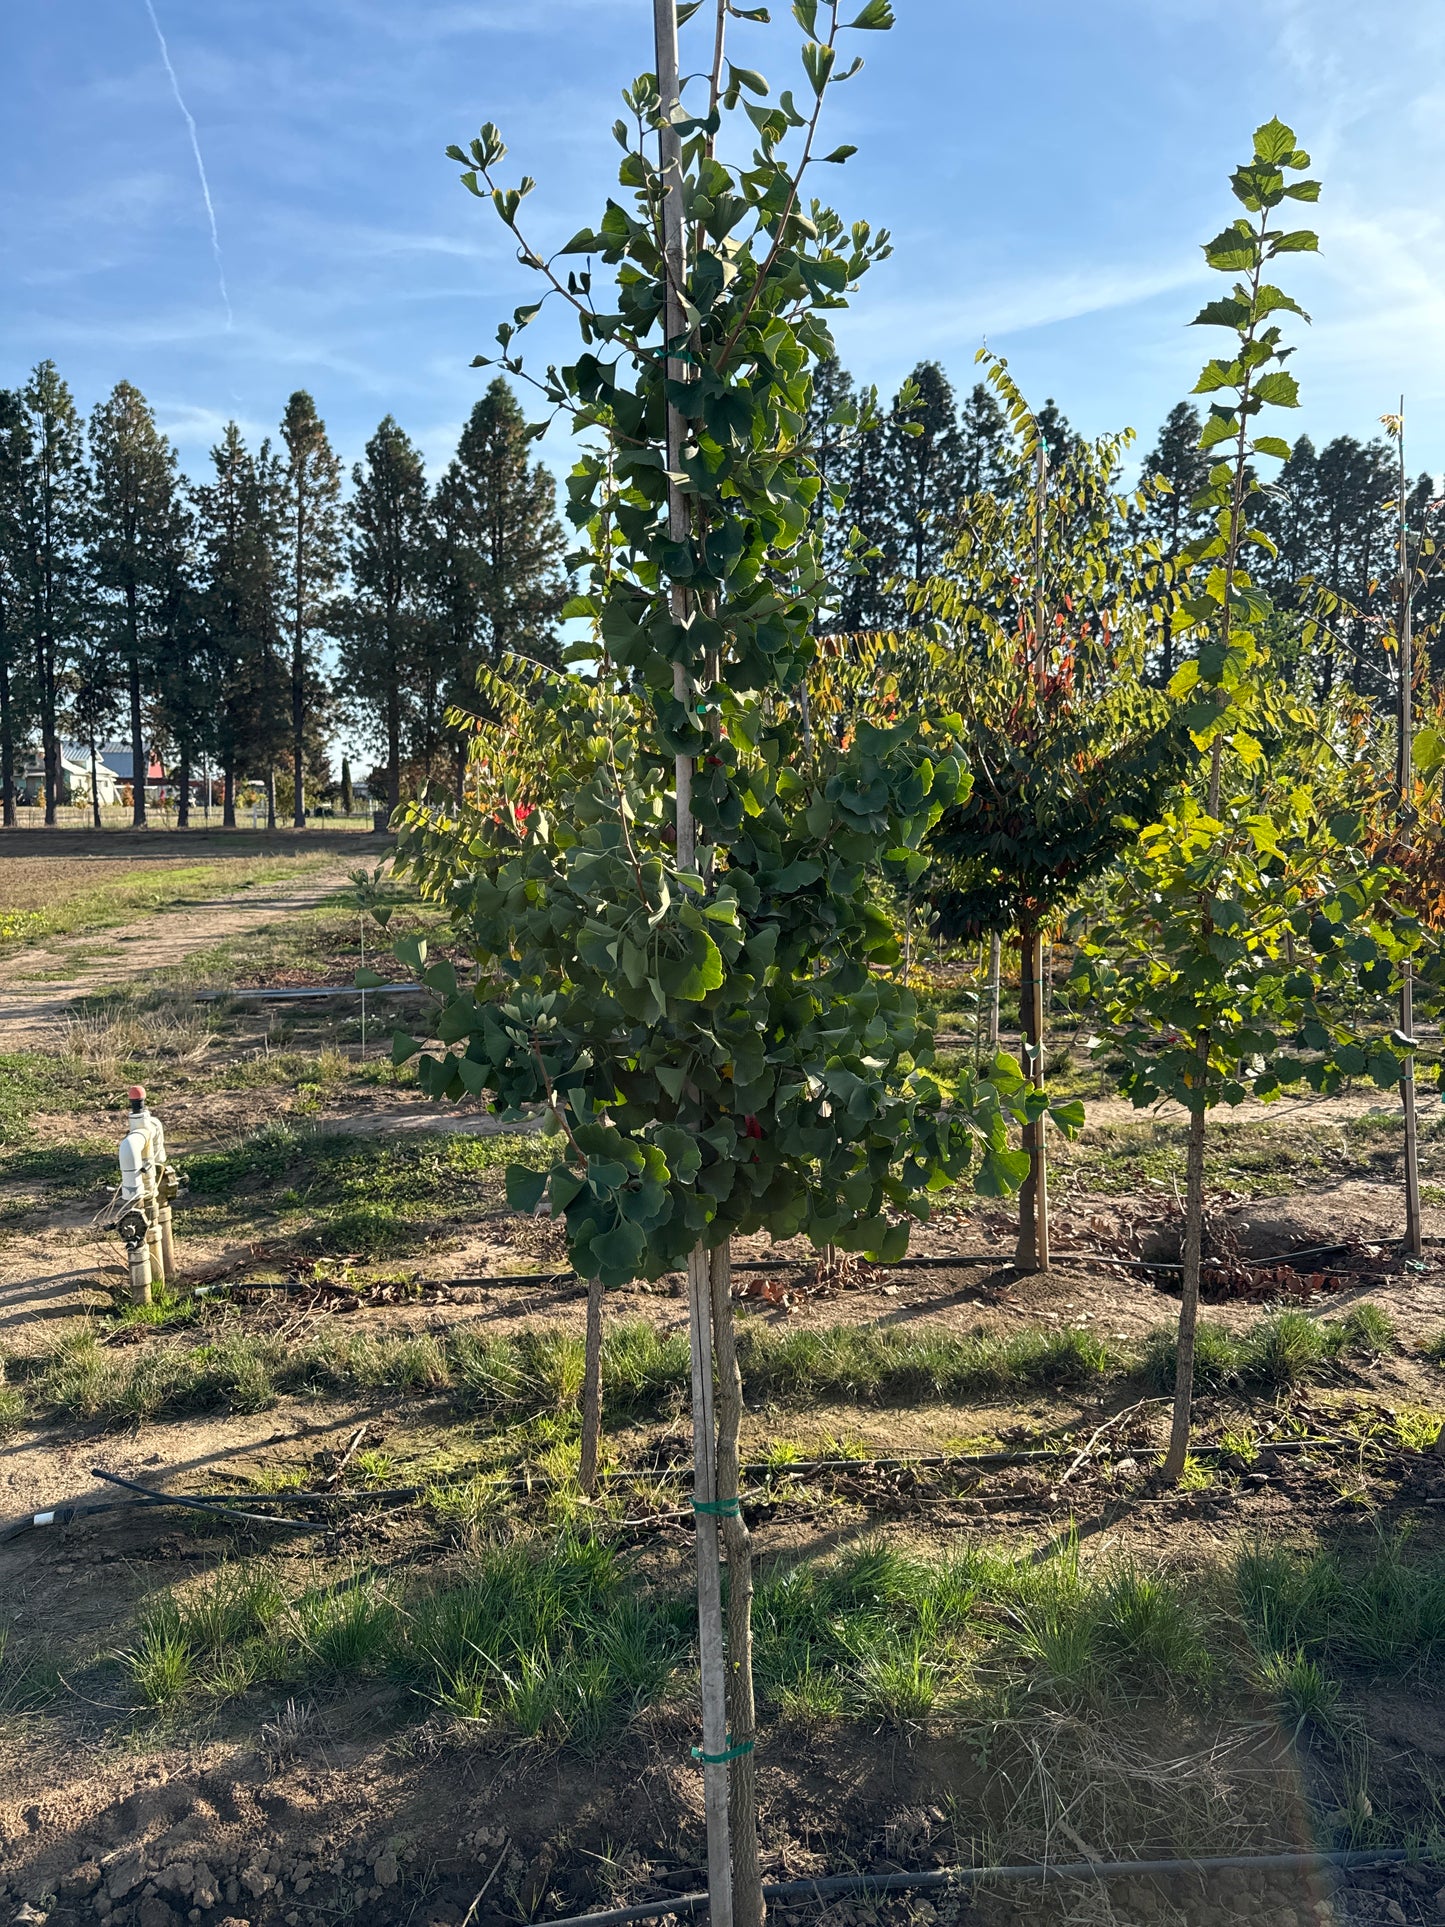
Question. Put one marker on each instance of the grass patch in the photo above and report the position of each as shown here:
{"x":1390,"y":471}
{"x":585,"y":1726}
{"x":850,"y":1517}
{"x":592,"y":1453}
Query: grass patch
{"x":536,"y":1374}
{"x":69,"y":899}
{"x":556,"y":1639}
{"x":362,"y":1197}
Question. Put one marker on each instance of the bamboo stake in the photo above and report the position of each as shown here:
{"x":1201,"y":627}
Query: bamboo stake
{"x":748,"y":1906}
{"x":709,"y":1591}
{"x":592,"y":1392}
{"x":699,"y":1282}
{"x":995,"y":969}
{"x":1406,"y":783}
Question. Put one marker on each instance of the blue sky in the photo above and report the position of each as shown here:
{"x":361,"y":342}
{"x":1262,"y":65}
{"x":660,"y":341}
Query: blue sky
{"x":1047,"y":168}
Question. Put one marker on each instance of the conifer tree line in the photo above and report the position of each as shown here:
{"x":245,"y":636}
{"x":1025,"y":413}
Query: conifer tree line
{"x":226,"y":624}
{"x":908,"y":481}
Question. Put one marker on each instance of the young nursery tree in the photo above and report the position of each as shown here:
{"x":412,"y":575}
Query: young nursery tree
{"x":1242,"y":926}
{"x":1038,"y":624}
{"x":675,"y":944}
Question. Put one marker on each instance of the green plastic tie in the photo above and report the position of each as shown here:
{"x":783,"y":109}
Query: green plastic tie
{"x":719,"y":1508}
{"x":734,"y":1752}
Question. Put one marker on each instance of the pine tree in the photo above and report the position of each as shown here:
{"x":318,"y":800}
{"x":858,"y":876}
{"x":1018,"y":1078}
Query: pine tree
{"x":94,"y":698}
{"x":389,"y":530}
{"x":136,"y":521}
{"x":984,"y":441}
{"x":832,"y":445}
{"x":16,"y":685}
{"x":1171,"y":520}
{"x":502,"y":584}
{"x":239,"y":534}
{"x":868,"y":509}
{"x":312,"y":563}
{"x":189,"y":678}
{"x":51,"y":553}
{"x":926,"y":470}
{"x":348,"y":794}
{"x":1355,"y":483}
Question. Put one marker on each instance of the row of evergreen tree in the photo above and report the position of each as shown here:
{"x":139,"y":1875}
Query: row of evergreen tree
{"x":1331,"y":513}
{"x":233,"y":621}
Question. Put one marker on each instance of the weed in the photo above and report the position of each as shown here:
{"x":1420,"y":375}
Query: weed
{"x":1301,"y":1687}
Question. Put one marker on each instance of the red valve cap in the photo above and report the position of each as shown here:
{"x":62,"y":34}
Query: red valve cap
{"x":137,"y":1093}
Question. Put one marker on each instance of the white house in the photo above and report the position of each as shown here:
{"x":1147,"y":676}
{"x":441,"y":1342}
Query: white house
{"x":74,"y":777}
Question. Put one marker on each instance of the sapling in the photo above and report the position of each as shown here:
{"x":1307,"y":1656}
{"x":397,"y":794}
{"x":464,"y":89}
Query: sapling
{"x":1243,"y":925}
{"x":676,"y":945}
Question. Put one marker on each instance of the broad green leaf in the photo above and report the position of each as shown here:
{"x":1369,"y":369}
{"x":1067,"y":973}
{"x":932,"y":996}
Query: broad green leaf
{"x":525,"y":1187}
{"x":367,"y":979}
{"x":411,"y":951}
{"x":876,"y":17}
{"x":404,"y":1048}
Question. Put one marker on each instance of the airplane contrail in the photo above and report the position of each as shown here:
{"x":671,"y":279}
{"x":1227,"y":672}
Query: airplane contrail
{"x":200,"y":164}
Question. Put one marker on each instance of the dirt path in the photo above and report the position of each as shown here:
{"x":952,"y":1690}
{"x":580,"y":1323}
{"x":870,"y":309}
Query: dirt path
{"x":30,"y":1009}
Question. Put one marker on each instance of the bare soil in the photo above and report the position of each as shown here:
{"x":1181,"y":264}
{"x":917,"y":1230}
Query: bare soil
{"x":331,"y":1809}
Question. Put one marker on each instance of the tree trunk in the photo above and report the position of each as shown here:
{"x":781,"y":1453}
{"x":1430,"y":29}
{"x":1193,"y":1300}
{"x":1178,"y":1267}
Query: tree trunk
{"x":94,"y":783}
{"x":461,"y":762}
{"x":713,"y":1751}
{"x":298,"y":780}
{"x":592,"y":1392}
{"x":1189,"y":1294}
{"x":1032,"y":1250}
{"x":137,"y":729}
{"x":995,"y":968}
{"x":7,"y":749}
{"x":393,"y":750}
{"x":228,"y":797}
{"x":748,"y":1908}
{"x":271,"y":796}
{"x":183,"y":800}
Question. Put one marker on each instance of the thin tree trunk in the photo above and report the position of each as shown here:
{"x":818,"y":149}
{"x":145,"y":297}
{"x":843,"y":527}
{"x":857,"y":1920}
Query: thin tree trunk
{"x":1189,"y":1295}
{"x":183,"y":800}
{"x":393,"y":749}
{"x":270,"y":796}
{"x":592,"y":1392}
{"x":137,"y":728}
{"x":995,"y":969}
{"x":714,"y":1749}
{"x":298,"y":791}
{"x":94,"y":783}
{"x":1032,"y":1250}
{"x":7,"y":749}
{"x":1414,"y":1243}
{"x":228,"y":797}
{"x":748,"y":1907}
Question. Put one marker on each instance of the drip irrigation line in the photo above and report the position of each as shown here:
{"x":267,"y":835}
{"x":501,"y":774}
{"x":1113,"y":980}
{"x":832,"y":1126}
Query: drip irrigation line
{"x":228,"y":1505}
{"x":946,"y":1262}
{"x":933,"y":1878}
{"x":295,"y":993}
{"x":208,"y":1505}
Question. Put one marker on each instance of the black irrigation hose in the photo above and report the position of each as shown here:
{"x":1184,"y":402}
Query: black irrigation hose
{"x":934,"y":1878}
{"x":208,"y":1505}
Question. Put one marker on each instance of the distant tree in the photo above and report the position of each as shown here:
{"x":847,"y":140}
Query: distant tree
{"x":927,"y":470}
{"x":138,"y":521}
{"x":189,"y":670}
{"x":311,"y":564}
{"x":1170,"y":518}
{"x":382,"y":622}
{"x":239,"y":535}
{"x":95,"y":694}
{"x":51,"y":553}
{"x":16,"y":684}
{"x":1059,"y":436}
{"x":502,"y":583}
{"x":348,"y":794}
{"x":868,"y":508}
{"x":1355,"y":483}
{"x":984,"y":440}
{"x":831,"y":443}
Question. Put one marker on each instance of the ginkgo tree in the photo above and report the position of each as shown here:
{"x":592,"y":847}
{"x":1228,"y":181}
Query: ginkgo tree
{"x":675,"y":947}
{"x":1247,"y":924}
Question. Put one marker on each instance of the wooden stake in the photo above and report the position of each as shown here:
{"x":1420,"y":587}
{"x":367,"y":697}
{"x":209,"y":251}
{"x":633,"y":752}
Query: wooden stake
{"x":995,"y":969}
{"x":1189,"y":1291}
{"x":699,"y":1280}
{"x":709,"y":1592}
{"x":592,"y":1392}
{"x":1406,"y":784}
